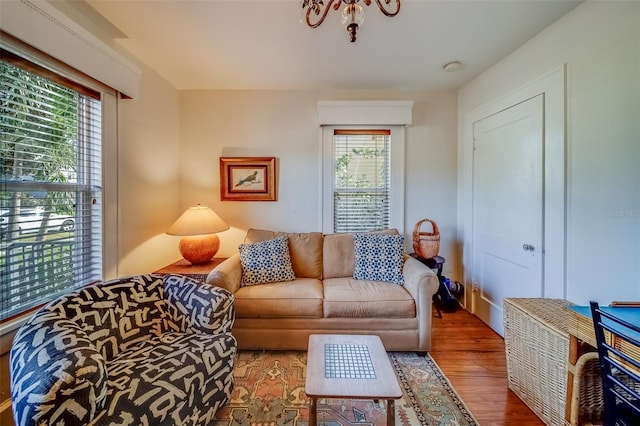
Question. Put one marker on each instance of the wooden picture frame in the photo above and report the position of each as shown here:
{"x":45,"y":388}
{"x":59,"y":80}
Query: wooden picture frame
{"x":248,"y":179}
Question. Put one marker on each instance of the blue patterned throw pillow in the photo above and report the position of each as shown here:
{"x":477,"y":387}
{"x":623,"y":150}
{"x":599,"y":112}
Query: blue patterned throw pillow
{"x":266,"y":262}
{"x":378,"y":257}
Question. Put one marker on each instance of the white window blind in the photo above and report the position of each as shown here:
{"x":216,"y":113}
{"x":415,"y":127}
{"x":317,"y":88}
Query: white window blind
{"x":50,"y":187}
{"x":361,"y":195}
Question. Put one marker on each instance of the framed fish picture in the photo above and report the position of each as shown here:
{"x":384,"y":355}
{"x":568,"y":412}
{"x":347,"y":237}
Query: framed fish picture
{"x":248,"y":179}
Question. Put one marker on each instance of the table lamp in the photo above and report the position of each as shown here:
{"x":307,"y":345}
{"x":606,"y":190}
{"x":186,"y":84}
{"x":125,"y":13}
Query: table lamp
{"x":198,"y":226}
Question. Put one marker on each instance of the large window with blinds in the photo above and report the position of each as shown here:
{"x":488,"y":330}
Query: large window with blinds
{"x":50,"y":186}
{"x":361,"y":190}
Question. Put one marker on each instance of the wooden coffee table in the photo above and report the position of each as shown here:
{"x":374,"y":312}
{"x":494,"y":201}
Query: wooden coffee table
{"x":349,"y":366}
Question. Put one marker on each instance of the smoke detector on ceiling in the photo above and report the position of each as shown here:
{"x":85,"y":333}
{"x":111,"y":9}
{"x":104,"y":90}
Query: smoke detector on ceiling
{"x":452,"y":66}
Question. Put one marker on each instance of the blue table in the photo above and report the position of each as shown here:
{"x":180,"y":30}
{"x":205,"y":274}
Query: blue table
{"x":630,"y":314}
{"x":627,"y":313}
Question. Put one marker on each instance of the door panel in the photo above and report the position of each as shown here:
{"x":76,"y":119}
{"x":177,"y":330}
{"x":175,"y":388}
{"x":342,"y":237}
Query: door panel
{"x":507,"y":208}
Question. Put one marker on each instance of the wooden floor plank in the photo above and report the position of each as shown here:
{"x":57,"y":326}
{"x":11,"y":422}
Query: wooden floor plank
{"x":472,"y":357}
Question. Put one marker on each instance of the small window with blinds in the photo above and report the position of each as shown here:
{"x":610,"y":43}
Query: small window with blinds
{"x":361,"y":192}
{"x":50,"y":186}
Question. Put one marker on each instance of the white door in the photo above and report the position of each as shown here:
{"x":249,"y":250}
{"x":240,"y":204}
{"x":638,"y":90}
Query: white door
{"x":507,"y":209}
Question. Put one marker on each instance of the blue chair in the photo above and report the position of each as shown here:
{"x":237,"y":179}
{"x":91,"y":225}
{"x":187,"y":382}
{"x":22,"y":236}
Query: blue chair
{"x":617,"y":341}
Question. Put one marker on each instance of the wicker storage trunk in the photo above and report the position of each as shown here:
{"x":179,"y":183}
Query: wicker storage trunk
{"x":537,"y":349}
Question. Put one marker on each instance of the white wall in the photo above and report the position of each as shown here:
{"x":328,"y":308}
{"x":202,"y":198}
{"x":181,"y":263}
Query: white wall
{"x":148,"y":176}
{"x":600,"y":43}
{"x":284,"y":124}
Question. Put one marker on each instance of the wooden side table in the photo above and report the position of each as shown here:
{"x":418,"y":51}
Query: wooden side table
{"x":184,"y":267}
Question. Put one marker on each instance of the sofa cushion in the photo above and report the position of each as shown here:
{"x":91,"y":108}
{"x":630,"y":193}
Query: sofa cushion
{"x":350,"y":298}
{"x":266,"y":262}
{"x":301,"y":298}
{"x":338,"y":257}
{"x":378,"y":257}
{"x":305,"y":250}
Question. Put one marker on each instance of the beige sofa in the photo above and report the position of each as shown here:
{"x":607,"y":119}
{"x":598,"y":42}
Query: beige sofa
{"x":325,"y":298}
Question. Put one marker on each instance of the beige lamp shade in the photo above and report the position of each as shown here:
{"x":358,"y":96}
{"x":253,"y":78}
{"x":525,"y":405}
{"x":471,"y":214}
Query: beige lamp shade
{"x":198,"y":225}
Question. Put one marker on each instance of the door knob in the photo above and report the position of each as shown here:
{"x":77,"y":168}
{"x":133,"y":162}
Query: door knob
{"x":528,"y":247}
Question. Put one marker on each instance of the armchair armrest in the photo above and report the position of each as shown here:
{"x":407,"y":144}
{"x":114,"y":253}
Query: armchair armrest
{"x":422,"y":283}
{"x":58,"y":376}
{"x":227,"y":275}
{"x":196,"y":307}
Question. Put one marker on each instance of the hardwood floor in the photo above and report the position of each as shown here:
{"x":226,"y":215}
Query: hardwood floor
{"x":472,"y":357}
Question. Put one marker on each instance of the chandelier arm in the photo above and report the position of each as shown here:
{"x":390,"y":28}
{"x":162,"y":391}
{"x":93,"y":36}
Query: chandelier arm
{"x":315,"y":6}
{"x":383,"y":8}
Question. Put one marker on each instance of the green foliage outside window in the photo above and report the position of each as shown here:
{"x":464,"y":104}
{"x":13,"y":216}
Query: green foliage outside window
{"x":39,"y":133}
{"x":361,"y":192}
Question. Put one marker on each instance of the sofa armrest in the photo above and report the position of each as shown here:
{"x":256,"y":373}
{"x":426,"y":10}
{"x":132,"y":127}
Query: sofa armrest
{"x":195,"y":307}
{"x":58,"y":376}
{"x":227,"y":275}
{"x":422,"y":283}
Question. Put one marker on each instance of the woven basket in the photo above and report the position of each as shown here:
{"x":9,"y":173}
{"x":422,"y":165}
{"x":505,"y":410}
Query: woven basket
{"x":426,"y":244}
{"x":536,"y":341}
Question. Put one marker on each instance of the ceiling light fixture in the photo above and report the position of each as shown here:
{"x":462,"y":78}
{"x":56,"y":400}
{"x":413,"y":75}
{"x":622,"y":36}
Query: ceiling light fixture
{"x":314,"y":12}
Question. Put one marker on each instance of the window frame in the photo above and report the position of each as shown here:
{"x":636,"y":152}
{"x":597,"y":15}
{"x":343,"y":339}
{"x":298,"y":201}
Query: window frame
{"x":397,"y":166}
{"x":109,"y":155}
{"x":38,"y":270}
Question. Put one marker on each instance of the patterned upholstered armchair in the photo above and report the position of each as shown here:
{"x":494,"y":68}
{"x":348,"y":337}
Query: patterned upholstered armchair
{"x":141,"y":350}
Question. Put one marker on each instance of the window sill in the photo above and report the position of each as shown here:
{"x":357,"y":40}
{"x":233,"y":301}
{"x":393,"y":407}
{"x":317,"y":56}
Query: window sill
{"x":8,"y":330}
{"x":14,"y":324}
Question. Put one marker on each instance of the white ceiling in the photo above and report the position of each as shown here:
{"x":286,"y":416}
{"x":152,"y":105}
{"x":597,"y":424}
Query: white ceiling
{"x":261,"y":44}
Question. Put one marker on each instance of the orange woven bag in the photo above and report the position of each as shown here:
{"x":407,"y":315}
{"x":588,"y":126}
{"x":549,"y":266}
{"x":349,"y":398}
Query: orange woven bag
{"x":426,"y":244}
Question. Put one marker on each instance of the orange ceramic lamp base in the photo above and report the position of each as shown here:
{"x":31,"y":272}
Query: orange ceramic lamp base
{"x":199,"y":248}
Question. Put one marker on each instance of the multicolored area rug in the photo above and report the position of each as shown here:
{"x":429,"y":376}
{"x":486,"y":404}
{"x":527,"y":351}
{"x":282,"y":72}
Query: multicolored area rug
{"x":269,"y":391}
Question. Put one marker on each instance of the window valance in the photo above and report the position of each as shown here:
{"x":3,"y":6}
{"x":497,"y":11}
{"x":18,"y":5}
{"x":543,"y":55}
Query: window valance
{"x":45,"y":28}
{"x":391,"y":113}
